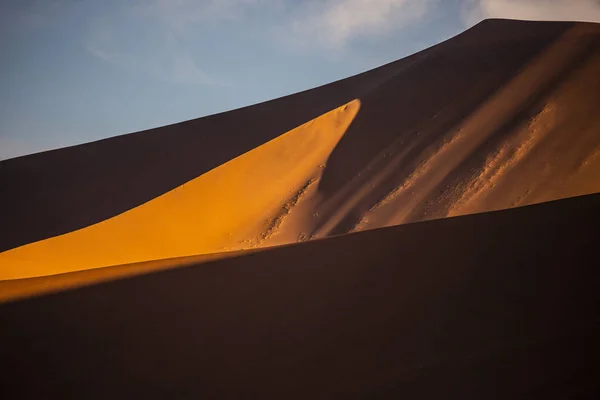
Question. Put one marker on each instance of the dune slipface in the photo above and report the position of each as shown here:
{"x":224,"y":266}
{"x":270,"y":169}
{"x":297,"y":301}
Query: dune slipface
{"x":492,"y":130}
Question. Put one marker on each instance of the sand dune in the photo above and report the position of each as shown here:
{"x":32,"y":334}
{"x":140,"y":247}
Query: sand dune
{"x":237,"y":205}
{"x":503,"y":115}
{"x":337,"y":243}
{"x":500,"y":305}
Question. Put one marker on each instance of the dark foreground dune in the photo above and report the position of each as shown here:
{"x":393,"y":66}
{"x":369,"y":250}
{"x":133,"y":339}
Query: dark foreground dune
{"x":495,"y":305}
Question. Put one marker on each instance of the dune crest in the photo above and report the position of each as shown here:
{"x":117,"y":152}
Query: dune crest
{"x":237,"y":205}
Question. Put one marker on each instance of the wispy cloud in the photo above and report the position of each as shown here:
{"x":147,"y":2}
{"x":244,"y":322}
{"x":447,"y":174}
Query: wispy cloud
{"x":179,"y":15}
{"x":157,"y":53}
{"x":312,"y":23}
{"x":168,"y":23}
{"x":551,"y":10}
{"x":179,"y":69}
{"x":308,"y":24}
{"x":335,"y":23}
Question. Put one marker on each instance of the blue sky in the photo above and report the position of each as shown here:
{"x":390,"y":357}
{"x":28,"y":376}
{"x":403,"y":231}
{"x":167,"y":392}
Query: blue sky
{"x":74,"y":71}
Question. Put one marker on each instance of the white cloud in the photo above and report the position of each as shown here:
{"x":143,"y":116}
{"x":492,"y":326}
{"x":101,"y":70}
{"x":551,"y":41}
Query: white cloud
{"x":551,"y":10}
{"x":337,"y":22}
{"x":330,"y":23}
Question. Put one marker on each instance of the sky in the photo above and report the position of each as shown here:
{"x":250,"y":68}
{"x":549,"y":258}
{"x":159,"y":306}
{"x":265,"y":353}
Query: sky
{"x":74,"y":71}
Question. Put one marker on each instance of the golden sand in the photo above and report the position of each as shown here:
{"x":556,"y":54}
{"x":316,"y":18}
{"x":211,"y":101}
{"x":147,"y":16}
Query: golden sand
{"x":221,"y":210}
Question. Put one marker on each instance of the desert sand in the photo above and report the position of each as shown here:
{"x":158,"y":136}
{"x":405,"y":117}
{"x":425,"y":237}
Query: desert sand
{"x":425,"y":229}
{"x":484,"y":121}
{"x":227,"y":208}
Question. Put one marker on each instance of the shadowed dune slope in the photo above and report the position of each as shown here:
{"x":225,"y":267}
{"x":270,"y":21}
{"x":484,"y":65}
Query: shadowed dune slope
{"x":486,"y":306}
{"x":410,"y":107}
{"x":472,"y":127}
{"x":236,"y":205}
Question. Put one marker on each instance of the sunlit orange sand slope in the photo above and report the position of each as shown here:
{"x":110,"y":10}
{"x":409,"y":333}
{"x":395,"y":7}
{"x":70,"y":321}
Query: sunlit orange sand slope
{"x":500,"y":305}
{"x":500,"y":116}
{"x":236,"y":205}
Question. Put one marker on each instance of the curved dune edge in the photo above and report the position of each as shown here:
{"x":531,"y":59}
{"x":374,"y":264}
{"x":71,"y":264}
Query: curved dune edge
{"x":231,"y":207}
{"x":18,"y":289}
